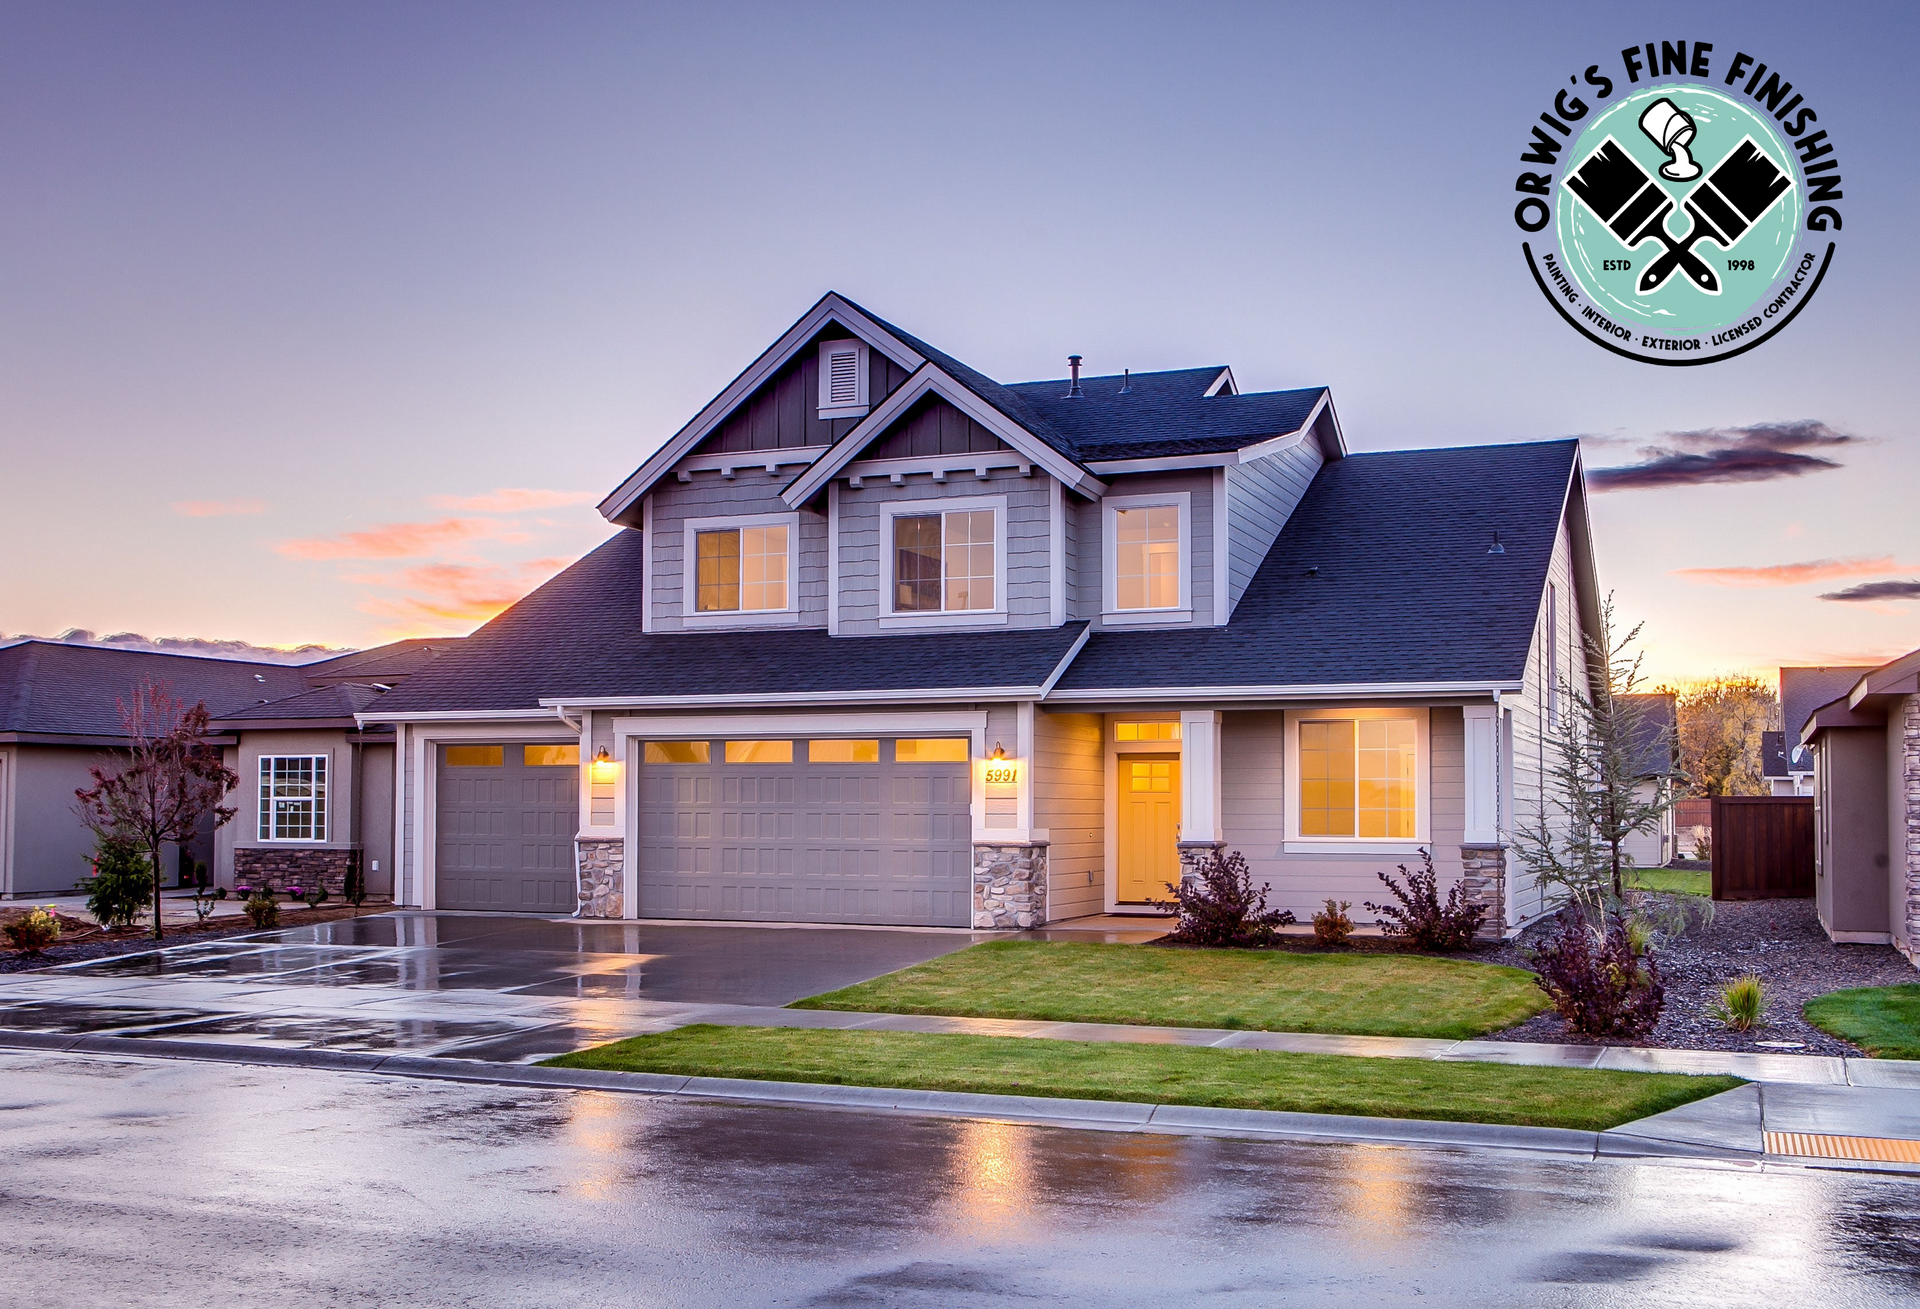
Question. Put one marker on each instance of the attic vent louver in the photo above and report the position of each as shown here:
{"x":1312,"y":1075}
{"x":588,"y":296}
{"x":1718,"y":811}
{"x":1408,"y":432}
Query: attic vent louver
{"x":843,"y":379}
{"x":1073,"y":389}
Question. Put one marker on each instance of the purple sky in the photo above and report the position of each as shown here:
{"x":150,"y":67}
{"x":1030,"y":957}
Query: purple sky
{"x":306,"y":303}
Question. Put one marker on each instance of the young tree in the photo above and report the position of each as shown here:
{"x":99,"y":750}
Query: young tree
{"x":1590,"y":802}
{"x":168,"y":783}
{"x":1720,"y":725}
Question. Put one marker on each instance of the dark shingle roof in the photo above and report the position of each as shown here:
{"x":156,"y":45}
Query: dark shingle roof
{"x":1803,"y":690}
{"x":1655,"y":737}
{"x":579,"y":636}
{"x":383,"y":663}
{"x":325,"y":702}
{"x":1164,"y":414}
{"x":49,"y":688}
{"x":1773,"y":754}
{"x":1405,"y":590}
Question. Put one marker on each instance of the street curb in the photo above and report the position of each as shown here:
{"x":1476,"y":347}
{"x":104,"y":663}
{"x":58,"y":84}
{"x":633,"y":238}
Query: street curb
{"x":1097,"y":1115}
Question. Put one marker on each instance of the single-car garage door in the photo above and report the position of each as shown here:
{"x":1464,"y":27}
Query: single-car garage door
{"x":831,"y":831}
{"x":505,"y":820}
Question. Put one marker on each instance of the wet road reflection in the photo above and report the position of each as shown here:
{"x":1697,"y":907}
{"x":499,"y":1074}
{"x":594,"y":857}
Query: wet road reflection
{"x":195,"y":1183}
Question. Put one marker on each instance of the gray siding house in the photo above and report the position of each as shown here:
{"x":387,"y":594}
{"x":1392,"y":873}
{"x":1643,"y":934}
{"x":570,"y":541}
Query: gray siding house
{"x":882,"y":640}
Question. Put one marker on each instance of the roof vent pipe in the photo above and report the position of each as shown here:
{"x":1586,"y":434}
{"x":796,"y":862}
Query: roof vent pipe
{"x":1126,"y":381}
{"x":1496,"y":548}
{"x":1073,"y":364}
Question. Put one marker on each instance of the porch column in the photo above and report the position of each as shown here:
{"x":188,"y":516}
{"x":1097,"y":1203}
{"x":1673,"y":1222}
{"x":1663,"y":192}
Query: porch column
{"x":1201,"y":834}
{"x":1483,"y":858}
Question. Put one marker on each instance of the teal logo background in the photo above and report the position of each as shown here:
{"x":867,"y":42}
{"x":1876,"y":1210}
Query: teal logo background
{"x":1595,"y":256}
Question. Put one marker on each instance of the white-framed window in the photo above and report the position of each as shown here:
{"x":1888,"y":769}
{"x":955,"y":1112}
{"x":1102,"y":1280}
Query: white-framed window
{"x":945,"y":558}
{"x":293,"y":797}
{"x":1356,"y":779}
{"x":740,"y":569}
{"x":843,"y":379}
{"x":1148,"y":557}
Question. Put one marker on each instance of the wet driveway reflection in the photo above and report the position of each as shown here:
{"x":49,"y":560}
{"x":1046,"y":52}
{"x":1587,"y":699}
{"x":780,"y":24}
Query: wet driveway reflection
{"x":325,"y":1186}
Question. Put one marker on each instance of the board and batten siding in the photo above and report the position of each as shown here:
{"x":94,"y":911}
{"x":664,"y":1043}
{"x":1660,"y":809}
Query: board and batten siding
{"x":1532,"y":734}
{"x":1261,"y":496}
{"x":1087,"y":598}
{"x":866,"y":559}
{"x":784,"y":414}
{"x":1254,"y":801}
{"x":710,"y":495}
{"x":1069,"y":804}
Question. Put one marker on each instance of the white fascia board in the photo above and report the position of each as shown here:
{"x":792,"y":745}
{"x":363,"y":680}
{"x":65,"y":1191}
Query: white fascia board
{"x":1170,"y":464}
{"x":738,"y":699}
{"x":931,"y":378}
{"x":743,"y":460}
{"x":831,"y":308}
{"x":543,"y":714}
{"x":1275,"y":444}
{"x":1066,"y":661}
{"x":1330,"y":691}
{"x":1224,"y":382}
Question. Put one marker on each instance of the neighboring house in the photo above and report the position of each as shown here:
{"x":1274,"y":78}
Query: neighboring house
{"x":1789,"y":771}
{"x":322,"y":782}
{"x":881,"y":640}
{"x":1866,"y":754}
{"x":1656,"y":768}
{"x":1785,"y":768}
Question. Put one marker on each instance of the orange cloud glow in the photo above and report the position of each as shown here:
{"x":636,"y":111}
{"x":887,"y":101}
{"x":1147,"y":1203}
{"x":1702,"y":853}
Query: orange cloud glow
{"x":1815,"y":570}
{"x":460,"y":594}
{"x":512,"y":500}
{"x":217,"y":508}
{"x":393,"y":540}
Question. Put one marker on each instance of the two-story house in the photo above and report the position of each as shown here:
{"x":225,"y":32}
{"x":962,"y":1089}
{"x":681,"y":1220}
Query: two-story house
{"x":882,"y":640}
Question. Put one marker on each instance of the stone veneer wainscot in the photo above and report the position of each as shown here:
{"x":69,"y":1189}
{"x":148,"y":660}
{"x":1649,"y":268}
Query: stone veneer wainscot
{"x":283,"y":866}
{"x":1009,"y":886}
{"x":598,"y":863}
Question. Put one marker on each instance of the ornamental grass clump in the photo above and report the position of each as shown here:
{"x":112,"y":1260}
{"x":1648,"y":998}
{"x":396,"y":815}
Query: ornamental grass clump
{"x":1741,"y":1005}
{"x":1597,"y":983}
{"x":262,"y":909}
{"x":1331,"y":926}
{"x":1220,"y":906}
{"x":1421,"y":920}
{"x":34,"y":931}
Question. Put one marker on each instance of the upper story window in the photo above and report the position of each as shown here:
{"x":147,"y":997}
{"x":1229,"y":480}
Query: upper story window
{"x":1147,"y":539}
{"x":293,"y":797}
{"x":740,"y":565}
{"x":946,"y":562}
{"x":843,"y":379}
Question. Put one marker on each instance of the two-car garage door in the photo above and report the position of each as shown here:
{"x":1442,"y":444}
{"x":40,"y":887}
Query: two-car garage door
{"x":833,"y":830}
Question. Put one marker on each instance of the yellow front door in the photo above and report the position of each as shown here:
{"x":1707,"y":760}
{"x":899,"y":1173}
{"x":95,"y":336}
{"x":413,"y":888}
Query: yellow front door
{"x":1149,"y":826}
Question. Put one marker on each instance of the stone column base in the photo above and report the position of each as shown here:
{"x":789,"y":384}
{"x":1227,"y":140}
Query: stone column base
{"x":1484,"y":882}
{"x":288,"y":866}
{"x":1009,"y":886}
{"x":1196,"y":854}
{"x":600,"y":862}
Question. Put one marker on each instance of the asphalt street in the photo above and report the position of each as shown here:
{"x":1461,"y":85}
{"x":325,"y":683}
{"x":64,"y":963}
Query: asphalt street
{"x":172,"y":1182}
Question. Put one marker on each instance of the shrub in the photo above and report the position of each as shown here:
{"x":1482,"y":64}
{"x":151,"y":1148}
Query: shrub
{"x":263,"y":909}
{"x":1221,"y":907}
{"x":354,"y":889}
{"x":1331,"y":926}
{"x":1596,"y":982}
{"x":316,"y":896}
{"x":122,"y":883}
{"x":34,"y":932}
{"x":1741,"y":1005}
{"x":1420,"y":919}
{"x":1703,"y":848}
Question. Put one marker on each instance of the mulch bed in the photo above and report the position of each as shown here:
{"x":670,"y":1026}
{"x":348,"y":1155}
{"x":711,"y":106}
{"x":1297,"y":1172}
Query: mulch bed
{"x":83,"y":940}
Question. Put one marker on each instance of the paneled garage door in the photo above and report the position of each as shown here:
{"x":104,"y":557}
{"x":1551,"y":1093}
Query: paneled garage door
{"x":830,"y":831}
{"x":505,"y":820}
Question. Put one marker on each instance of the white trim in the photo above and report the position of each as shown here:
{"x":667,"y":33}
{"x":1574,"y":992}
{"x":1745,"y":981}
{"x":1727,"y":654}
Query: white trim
{"x":1110,"y":507}
{"x":943,"y":505}
{"x":646,"y":565}
{"x":739,"y":700}
{"x":690,"y":616}
{"x":1295,"y":843}
{"x":930,"y":378}
{"x":1222,"y":385}
{"x":1066,"y":660}
{"x":977,"y":465}
{"x":1222,"y":610}
{"x":830,"y":308}
{"x":1056,"y":552}
{"x":1342,"y":690}
{"x":1200,"y":776}
{"x":771,"y":461}
{"x":1274,"y":444}
{"x":1861,"y":938}
{"x":7,"y":770}
{"x":543,"y":714}
{"x":1482,"y":774}
{"x":1168,"y":464}
{"x":1110,"y":790}
{"x":833,"y":558}
{"x":857,"y":406}
{"x":320,"y":803}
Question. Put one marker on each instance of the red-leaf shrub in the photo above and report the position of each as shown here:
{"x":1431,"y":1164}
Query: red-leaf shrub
{"x":1420,"y":919}
{"x":1221,"y":907}
{"x":1596,"y":982}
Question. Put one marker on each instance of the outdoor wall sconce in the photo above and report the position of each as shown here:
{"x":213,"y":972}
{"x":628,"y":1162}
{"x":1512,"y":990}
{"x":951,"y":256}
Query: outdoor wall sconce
{"x":604,"y":766}
{"x":999,"y":752}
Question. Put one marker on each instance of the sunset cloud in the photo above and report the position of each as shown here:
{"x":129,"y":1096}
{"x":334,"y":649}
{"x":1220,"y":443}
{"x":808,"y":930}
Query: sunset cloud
{"x":394,"y":540}
{"x":1814,"y":570}
{"x":512,"y":500}
{"x":217,"y":508}
{"x":1868,"y":591}
{"x":1759,"y":453}
{"x":454,"y":593}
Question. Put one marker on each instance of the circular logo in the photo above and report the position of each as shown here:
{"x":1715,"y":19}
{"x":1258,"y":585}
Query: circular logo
{"x":1679,"y":216}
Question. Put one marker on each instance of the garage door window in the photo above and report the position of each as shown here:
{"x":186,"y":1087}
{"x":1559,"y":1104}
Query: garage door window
{"x":475,"y":756}
{"x":677,"y":752}
{"x":293,"y":797}
{"x":931,"y":750}
{"x":550,"y":756}
{"x":843,"y":752}
{"x":759,"y":752}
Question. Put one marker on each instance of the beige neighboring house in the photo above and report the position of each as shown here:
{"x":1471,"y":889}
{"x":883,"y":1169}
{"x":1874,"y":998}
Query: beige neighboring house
{"x":315,"y":792}
{"x":1866,"y":759}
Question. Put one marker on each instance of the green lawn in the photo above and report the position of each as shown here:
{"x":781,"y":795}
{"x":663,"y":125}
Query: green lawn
{"x":1677,"y":881}
{"x":1882,"y":1020}
{"x":1264,"y":990}
{"x":1105,"y":1070}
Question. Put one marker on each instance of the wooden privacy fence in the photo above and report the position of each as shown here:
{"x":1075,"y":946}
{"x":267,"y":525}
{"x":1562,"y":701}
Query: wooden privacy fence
{"x":1762,"y":847}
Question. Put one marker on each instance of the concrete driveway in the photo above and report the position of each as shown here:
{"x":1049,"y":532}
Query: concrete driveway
{"x":483,"y":986}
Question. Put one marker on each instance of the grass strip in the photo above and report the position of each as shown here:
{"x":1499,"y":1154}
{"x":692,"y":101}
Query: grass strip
{"x":1882,"y":1020}
{"x":1587,"y":1099}
{"x":1261,"y":990}
{"x":1673,"y":881}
